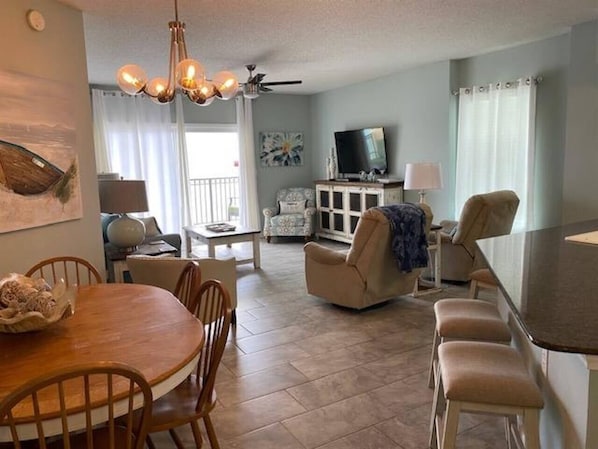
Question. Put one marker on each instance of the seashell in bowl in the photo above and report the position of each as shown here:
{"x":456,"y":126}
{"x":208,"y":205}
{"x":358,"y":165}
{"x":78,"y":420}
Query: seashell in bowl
{"x":28,"y":305}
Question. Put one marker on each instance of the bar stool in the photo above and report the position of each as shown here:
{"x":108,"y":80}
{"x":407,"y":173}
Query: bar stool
{"x":488,"y":378}
{"x":465,"y":319}
{"x":481,"y":278}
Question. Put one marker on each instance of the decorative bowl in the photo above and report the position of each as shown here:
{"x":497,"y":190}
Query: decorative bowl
{"x":55,"y":305}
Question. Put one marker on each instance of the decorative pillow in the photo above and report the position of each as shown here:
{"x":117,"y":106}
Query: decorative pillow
{"x":292,"y":207}
{"x":151,"y":227}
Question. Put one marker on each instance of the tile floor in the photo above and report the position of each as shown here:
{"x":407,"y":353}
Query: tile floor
{"x":299,"y":373}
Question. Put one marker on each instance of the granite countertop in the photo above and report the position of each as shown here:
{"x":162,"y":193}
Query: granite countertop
{"x":550,"y":284}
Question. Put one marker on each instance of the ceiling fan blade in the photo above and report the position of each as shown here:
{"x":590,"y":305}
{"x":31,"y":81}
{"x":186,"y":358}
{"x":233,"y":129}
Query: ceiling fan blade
{"x":280,"y":83}
{"x":265,"y":89}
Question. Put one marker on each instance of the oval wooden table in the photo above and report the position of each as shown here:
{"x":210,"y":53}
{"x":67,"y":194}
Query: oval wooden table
{"x":140,"y":325}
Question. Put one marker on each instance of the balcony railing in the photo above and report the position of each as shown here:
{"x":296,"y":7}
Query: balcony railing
{"x":214,"y":200}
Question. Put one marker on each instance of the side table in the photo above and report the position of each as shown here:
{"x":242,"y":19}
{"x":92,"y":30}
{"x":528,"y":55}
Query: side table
{"x":117,"y":259}
{"x":421,"y":288}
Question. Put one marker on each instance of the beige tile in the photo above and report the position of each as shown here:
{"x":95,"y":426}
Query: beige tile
{"x":332,"y":362}
{"x":369,"y":438}
{"x":231,"y":422}
{"x":259,"y":384}
{"x":329,"y":341}
{"x":274,"y":338}
{"x":334,"y":387}
{"x":270,"y":437}
{"x":337,"y":420}
{"x":243,"y":364}
{"x":399,"y":366}
{"x":259,"y":326}
{"x":403,"y":396}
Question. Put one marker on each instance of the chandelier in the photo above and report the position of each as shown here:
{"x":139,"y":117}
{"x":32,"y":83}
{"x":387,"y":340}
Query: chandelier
{"x":184,"y":73}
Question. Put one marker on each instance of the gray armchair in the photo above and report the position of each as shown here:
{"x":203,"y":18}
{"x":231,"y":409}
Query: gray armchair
{"x":293,"y":214}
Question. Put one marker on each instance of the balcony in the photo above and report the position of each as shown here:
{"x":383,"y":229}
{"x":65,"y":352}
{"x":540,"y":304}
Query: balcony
{"x":213,"y":200}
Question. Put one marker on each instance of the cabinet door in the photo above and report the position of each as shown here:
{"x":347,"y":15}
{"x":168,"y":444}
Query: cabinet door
{"x":330,"y":203}
{"x":338,"y":210}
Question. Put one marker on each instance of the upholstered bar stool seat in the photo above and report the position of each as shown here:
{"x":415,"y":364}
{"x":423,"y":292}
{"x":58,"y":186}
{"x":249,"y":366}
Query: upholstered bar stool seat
{"x":482,"y":377}
{"x":466,"y":319}
{"x":482,"y":278}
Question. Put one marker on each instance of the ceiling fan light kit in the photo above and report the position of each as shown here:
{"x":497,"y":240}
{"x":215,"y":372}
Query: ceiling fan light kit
{"x":185,"y":74}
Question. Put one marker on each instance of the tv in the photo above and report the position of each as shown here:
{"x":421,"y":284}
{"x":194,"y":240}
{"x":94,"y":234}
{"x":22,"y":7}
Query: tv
{"x":360,"y":150}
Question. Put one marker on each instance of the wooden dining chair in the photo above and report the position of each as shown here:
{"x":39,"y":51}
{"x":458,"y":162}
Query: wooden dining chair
{"x":195,"y":397}
{"x":74,"y":270}
{"x":100,"y":391}
{"x":188,"y":284}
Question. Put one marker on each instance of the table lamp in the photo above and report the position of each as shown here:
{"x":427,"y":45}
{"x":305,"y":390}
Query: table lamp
{"x":423,"y":176}
{"x":122,"y":197}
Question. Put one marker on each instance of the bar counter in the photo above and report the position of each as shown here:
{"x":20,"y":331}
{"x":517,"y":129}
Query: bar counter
{"x":548,"y":294}
{"x":551,"y":285}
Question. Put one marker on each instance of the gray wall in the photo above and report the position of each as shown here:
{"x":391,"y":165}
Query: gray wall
{"x":57,"y":53}
{"x":413,"y":106}
{"x":283,"y":113}
{"x":580,"y":182}
{"x":548,"y":58}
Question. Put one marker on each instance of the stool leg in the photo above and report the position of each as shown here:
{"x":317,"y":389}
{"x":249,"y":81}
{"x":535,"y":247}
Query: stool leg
{"x":437,"y":408}
{"x":508,"y":420}
{"x":451,"y":424}
{"x":433,"y":360}
{"x":531,"y":428}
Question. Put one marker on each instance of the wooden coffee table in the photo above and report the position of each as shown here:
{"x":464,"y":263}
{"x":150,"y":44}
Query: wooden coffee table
{"x":212,"y":239}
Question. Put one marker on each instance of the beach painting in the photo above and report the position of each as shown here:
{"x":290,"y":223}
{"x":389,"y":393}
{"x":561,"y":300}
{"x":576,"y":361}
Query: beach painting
{"x":39,"y":176}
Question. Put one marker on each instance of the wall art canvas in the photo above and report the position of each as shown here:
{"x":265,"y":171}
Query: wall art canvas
{"x":281,"y":149}
{"x":39,"y":170}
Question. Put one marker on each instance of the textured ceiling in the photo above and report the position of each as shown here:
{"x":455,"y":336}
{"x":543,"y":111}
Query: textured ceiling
{"x":326,"y":43}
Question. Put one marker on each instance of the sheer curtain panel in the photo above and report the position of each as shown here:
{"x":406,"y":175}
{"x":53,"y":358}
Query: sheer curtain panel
{"x":137,"y":138}
{"x":248,"y":202}
{"x":495,"y":144}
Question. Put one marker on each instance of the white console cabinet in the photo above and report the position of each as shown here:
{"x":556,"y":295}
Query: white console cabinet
{"x":341,"y":203}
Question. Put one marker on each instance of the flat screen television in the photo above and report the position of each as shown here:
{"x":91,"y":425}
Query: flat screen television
{"x":360,"y":150}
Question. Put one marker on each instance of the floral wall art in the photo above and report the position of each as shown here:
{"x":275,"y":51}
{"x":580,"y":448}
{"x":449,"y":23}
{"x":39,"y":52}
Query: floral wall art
{"x":39,"y":176}
{"x":281,"y":149}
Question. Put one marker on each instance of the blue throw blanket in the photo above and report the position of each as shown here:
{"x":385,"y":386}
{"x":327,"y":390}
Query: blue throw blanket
{"x":409,"y":240}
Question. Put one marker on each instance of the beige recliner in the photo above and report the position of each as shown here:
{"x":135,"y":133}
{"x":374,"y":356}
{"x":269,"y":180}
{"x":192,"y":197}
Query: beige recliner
{"x":367,"y":273}
{"x":484,"y":215}
{"x":164,"y":271}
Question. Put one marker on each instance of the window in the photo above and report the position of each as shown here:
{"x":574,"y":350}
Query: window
{"x":495,"y":144}
{"x":213,"y":165}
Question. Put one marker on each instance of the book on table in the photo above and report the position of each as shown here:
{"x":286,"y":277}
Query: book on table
{"x":221,"y":227}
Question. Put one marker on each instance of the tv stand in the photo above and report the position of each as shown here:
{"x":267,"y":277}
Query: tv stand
{"x":340,"y":204}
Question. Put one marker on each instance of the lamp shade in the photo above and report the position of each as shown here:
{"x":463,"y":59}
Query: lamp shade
{"x":423,"y":176}
{"x":120,"y":197}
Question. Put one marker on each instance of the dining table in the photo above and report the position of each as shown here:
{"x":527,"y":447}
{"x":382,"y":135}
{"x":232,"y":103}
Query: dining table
{"x":143,"y":326}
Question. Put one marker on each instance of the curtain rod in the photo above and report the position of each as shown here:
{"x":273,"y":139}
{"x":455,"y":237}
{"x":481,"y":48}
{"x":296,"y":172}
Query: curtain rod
{"x":528,"y":80}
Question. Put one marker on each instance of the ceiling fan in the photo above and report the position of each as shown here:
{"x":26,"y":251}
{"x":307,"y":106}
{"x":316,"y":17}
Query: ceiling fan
{"x":254,"y":85}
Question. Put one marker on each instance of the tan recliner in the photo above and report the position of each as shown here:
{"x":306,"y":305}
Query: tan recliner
{"x":164,"y":271}
{"x":484,"y":215}
{"x":367,"y":273}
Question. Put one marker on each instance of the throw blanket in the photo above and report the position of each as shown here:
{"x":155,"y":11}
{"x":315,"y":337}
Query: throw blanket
{"x":409,"y":241}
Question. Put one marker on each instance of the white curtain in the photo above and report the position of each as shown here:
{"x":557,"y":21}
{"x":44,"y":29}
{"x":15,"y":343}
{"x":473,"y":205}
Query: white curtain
{"x":136,"y":138}
{"x":495,"y":144}
{"x":248,"y":201}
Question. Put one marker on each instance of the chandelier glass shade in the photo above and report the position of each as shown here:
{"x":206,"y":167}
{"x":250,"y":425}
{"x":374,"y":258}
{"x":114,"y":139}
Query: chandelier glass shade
{"x":185,"y":74}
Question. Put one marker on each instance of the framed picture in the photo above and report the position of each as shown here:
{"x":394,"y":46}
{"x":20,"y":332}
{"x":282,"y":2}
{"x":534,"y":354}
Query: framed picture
{"x":39,"y":169}
{"x":281,"y":149}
